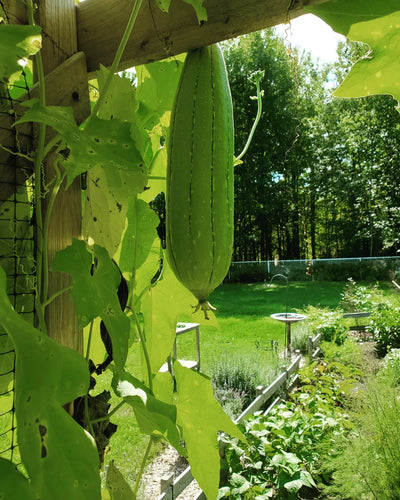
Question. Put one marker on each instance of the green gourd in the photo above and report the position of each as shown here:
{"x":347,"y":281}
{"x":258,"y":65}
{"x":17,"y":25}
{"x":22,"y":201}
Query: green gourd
{"x":199,"y":197}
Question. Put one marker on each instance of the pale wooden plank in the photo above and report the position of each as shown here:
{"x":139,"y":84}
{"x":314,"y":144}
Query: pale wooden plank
{"x":58,"y":21}
{"x":158,"y":35}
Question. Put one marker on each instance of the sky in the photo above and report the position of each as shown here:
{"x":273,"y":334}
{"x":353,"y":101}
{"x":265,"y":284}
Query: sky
{"x":314,"y":35}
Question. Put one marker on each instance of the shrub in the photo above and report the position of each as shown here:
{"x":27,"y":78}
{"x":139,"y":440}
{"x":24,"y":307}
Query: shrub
{"x":234,"y":383}
{"x":384,"y":325}
{"x":356,"y":297}
{"x":330,"y":324}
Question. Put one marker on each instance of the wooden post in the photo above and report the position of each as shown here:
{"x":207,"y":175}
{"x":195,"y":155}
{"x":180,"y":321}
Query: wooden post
{"x":58,"y":21}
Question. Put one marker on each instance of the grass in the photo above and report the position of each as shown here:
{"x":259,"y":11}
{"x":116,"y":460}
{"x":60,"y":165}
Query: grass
{"x":244,"y":312}
{"x":244,"y":316}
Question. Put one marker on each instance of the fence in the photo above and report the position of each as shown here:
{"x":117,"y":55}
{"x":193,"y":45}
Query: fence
{"x":358,"y":268}
{"x":271,"y":395}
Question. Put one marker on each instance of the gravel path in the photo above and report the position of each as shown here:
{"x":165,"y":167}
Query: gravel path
{"x":167,"y":463}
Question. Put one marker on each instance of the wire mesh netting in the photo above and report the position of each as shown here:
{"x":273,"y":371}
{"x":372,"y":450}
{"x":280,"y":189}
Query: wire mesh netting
{"x":16,"y":245}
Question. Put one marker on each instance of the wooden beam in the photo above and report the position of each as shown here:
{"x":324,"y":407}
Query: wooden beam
{"x":158,"y":35}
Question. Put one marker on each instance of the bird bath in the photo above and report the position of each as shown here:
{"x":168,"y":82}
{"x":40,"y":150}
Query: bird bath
{"x":288,"y":319}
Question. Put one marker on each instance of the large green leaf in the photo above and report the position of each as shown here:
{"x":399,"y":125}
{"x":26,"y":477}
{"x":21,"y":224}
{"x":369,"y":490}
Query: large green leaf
{"x":157,"y":84}
{"x":162,"y":306}
{"x":59,"y":456}
{"x":155,"y":417}
{"x":109,"y":190}
{"x":13,"y":485}
{"x":376,"y":23}
{"x":16,"y":44}
{"x":201,"y":418}
{"x":105,"y":143}
{"x":94,"y":292}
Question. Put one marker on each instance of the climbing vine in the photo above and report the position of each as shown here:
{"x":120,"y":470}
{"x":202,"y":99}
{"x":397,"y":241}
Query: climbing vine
{"x":121,"y":151}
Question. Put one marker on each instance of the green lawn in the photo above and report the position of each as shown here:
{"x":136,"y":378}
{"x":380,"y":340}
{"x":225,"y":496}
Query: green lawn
{"x":244,"y":312}
{"x":244,"y":316}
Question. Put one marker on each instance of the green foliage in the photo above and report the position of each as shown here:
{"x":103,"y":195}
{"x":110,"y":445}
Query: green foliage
{"x":105,"y":143}
{"x":390,"y":368}
{"x":201,"y":417}
{"x":329,"y":323}
{"x":357,"y":297}
{"x":59,"y":456}
{"x":235,"y":382}
{"x":349,"y":354}
{"x":325,"y":384}
{"x":366,"y":464}
{"x":373,"y":23}
{"x":17,"y":43}
{"x":384,"y":324}
{"x":94,"y":297}
{"x":116,"y":485}
{"x":284,"y":451}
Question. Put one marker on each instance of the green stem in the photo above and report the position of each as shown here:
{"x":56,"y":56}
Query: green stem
{"x":144,"y":347}
{"x":118,"y":55}
{"x":110,"y":414}
{"x":133,"y":273}
{"x":55,"y":295}
{"x":87,"y":416}
{"x":257,"y":119}
{"x":142,"y":466}
{"x":89,"y":341}
{"x":41,"y":250}
{"x":45,"y":262}
{"x":50,"y":145}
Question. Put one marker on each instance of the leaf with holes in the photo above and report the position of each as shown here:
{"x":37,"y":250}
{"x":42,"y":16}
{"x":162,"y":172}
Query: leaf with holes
{"x":94,"y":291}
{"x":58,"y":454}
{"x":105,"y":143}
{"x":201,"y":418}
{"x":105,"y":211}
{"x":17,"y":43}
